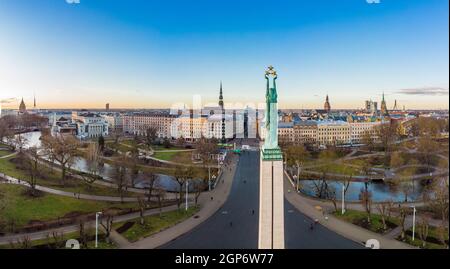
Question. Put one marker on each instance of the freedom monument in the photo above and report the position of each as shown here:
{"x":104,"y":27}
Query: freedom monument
{"x":271,"y":208}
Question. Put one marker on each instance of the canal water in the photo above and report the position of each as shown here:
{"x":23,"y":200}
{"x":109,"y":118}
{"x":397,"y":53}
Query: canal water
{"x":380,"y":191}
{"x":165,"y":181}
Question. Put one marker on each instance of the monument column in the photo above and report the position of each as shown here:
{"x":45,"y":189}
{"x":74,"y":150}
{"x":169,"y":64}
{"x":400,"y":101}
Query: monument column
{"x":271,"y":197}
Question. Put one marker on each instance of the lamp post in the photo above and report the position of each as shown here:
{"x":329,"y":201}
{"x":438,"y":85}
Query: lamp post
{"x":187,"y":193}
{"x":343,"y":200}
{"x":414,"y":222}
{"x":209,"y":178}
{"x":96,"y":228}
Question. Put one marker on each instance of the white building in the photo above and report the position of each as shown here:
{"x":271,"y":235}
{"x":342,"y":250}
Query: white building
{"x":89,"y":125}
{"x":359,"y":129}
{"x":139,"y":123}
{"x":115,"y":121}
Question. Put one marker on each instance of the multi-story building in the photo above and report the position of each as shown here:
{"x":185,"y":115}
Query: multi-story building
{"x":190,"y":127}
{"x":359,"y":129}
{"x":115,"y":121}
{"x":89,"y":125}
{"x":324,"y":132}
{"x":333,"y":132}
{"x":139,"y":124}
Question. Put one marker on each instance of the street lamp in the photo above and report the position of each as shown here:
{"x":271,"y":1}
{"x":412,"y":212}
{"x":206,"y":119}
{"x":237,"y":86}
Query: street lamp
{"x":343,"y":199}
{"x":209,"y":178}
{"x":96,"y":228}
{"x":187,"y":193}
{"x":414,"y":222}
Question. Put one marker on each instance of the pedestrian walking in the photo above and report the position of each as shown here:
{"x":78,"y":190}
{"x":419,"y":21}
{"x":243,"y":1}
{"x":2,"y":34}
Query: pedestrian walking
{"x":311,"y":226}
{"x":253,"y":212}
{"x":212,"y":198}
{"x":231,"y":224}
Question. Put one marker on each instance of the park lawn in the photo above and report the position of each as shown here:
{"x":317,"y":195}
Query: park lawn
{"x":184,"y":157}
{"x":337,"y":168}
{"x":165,"y":156}
{"x":120,"y":147}
{"x":155,"y":223}
{"x":22,"y":208}
{"x":49,"y":243}
{"x":432,"y":241}
{"x":147,"y":168}
{"x":162,"y":147}
{"x":359,"y":218}
{"x":5,"y":152}
{"x":52,"y":180}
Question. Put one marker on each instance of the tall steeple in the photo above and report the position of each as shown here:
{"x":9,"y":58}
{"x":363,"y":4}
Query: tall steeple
{"x":327,"y":105}
{"x":384,"y":110}
{"x":34,"y":100}
{"x":223,"y":113}
{"x":22,"y":107}
{"x":221,"y":96}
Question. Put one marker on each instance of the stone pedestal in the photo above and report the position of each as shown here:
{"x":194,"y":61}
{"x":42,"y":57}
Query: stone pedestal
{"x":271,"y":200}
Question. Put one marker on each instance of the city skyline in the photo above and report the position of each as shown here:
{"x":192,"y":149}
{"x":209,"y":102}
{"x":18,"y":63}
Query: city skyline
{"x":131,"y":56}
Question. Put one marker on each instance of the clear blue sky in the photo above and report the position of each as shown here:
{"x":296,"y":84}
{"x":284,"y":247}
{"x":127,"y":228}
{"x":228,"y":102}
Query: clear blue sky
{"x":154,"y":53}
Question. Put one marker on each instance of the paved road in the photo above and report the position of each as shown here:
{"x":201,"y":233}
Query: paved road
{"x":217,"y":233}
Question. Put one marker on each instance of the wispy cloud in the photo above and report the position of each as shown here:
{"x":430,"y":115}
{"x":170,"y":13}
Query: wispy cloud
{"x":8,"y":101}
{"x":424,"y":91}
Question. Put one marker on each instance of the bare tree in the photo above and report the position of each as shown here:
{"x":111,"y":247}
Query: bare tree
{"x":151,"y":135}
{"x":82,"y":232}
{"x":151,"y":179}
{"x":383,"y":210}
{"x":107,"y":225}
{"x":160,"y":194}
{"x":403,"y":214}
{"x":142,"y":206}
{"x":63,"y":149}
{"x":199,"y":187}
{"x":423,"y":229}
{"x":365,"y":196}
{"x":58,"y":239}
{"x":31,"y":164}
{"x":94,"y":165}
{"x":120,"y":174}
{"x":182,"y":175}
{"x":437,"y":199}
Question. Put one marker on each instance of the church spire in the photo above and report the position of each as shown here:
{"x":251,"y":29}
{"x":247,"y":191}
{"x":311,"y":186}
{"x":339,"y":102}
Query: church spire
{"x":221,"y":96}
{"x":34,"y":100}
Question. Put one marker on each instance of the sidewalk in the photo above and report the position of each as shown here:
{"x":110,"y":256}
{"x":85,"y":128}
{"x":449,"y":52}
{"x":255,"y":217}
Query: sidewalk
{"x":207,"y":208}
{"x":343,"y":228}
{"x":15,"y":181}
{"x":73,"y":228}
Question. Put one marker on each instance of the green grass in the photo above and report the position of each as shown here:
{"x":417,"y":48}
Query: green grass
{"x":155,"y":223}
{"x":336,"y":168}
{"x":48,"y":243}
{"x":5,"y":152}
{"x":22,"y":208}
{"x":360,"y":219}
{"x":433,"y":235}
{"x":174,"y":156}
{"x":53,"y":180}
{"x":165,"y":156}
